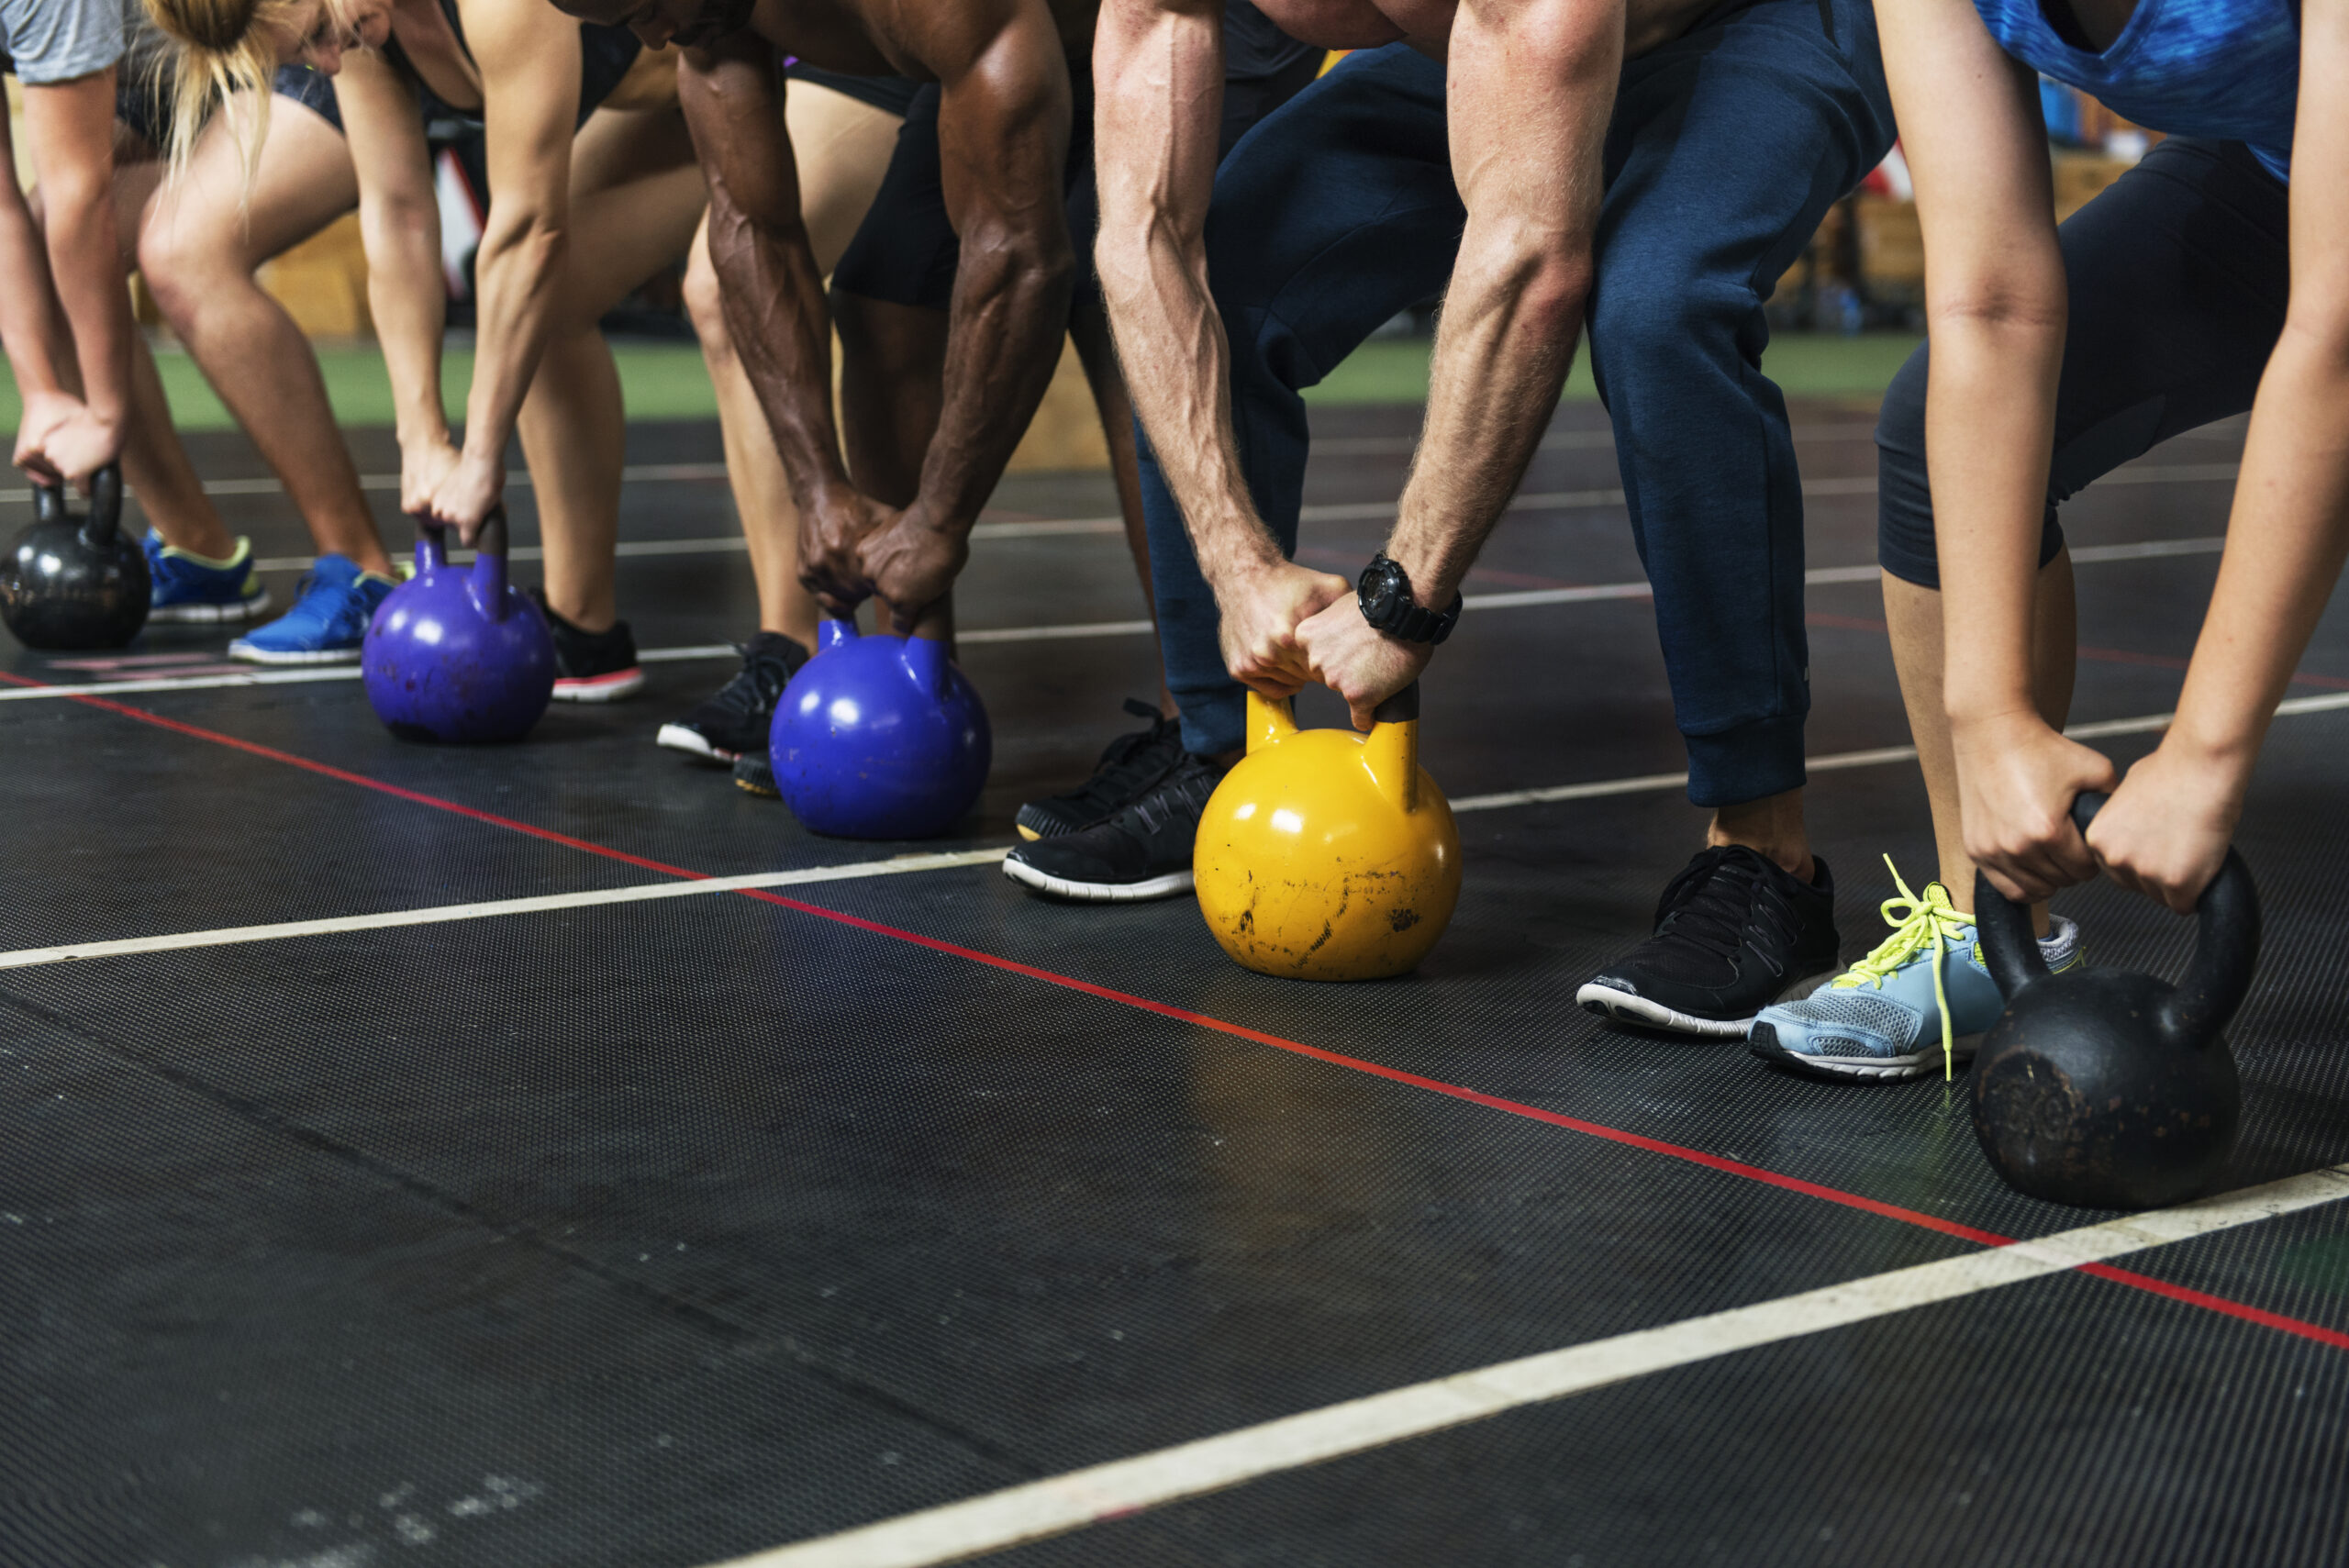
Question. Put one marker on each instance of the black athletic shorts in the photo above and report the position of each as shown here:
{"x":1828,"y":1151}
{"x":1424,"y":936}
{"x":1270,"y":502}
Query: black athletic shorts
{"x":892,"y":94}
{"x":906,"y":251}
{"x":606,"y":56}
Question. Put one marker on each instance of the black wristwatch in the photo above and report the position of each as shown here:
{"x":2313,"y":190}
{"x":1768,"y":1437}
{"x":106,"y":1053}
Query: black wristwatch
{"x":1384,"y":593}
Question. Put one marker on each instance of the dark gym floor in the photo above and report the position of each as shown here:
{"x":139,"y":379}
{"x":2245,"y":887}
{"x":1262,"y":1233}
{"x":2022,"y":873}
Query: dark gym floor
{"x":663,"y":1230}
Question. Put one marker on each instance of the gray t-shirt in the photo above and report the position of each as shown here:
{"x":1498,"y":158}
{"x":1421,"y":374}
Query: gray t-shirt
{"x":56,"y":40}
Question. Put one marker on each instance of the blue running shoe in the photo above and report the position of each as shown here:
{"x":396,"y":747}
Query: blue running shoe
{"x":328,"y":621}
{"x":195,"y":589}
{"x":1921,"y":1000}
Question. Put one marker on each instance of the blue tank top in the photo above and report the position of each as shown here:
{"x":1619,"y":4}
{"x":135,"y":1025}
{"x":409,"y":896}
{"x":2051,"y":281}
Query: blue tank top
{"x":2227,"y":70}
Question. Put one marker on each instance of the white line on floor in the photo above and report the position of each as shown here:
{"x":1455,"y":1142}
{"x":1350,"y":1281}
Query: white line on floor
{"x":1063,"y":1503}
{"x":1044,"y":527}
{"x":1518,"y":599}
{"x":25,"y":958}
{"x":1832,"y":761}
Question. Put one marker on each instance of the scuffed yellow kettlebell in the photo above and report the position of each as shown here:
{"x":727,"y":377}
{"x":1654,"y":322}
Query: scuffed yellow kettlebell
{"x":1328,"y":855}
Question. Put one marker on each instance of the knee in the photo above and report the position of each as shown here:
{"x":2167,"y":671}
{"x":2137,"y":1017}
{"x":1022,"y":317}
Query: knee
{"x":185,"y":266}
{"x":1643,"y":315}
{"x":706,"y":305}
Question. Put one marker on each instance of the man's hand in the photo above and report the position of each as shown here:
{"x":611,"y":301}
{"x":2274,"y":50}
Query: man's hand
{"x":2166,"y":831}
{"x":1362,"y":666}
{"x":2016,"y":779}
{"x":466,"y":494}
{"x":832,"y":531}
{"x":1261,"y":611}
{"x":61,"y":439}
{"x":424,"y":464}
{"x":911,"y":561}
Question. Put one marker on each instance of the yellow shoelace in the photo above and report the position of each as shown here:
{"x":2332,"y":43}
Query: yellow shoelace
{"x":1915,"y":921}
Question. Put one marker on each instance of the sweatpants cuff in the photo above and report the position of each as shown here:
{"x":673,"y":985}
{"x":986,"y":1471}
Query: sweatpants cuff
{"x":1750,"y":763}
{"x":1214,"y":721}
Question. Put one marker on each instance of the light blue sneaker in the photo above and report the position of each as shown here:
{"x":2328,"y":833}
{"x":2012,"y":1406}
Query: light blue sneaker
{"x":1923,"y":999}
{"x":328,"y":621}
{"x":196,"y":589}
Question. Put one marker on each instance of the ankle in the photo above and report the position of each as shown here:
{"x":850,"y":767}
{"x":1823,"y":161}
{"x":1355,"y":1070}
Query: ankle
{"x":1791,"y":854}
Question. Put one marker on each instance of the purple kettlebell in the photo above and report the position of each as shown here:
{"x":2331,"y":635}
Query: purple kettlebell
{"x":879,"y":737}
{"x":456,"y":655}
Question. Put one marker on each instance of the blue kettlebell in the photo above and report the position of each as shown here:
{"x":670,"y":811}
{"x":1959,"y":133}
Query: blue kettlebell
{"x":879,"y":737}
{"x":457,"y":654}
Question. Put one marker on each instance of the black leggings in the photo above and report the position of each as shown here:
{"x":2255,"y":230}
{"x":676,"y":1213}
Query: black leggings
{"x":2179,"y":280}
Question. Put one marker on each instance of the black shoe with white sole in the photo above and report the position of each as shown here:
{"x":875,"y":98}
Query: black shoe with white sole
{"x":1141,"y":851}
{"x":734,"y":721}
{"x":754,"y":774}
{"x":591,"y":666}
{"x":1134,"y":764}
{"x":1733,"y":933}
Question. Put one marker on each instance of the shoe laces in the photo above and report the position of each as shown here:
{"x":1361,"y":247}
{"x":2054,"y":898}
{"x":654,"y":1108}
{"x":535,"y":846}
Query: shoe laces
{"x":1126,"y":760}
{"x":1916,"y":920}
{"x":1188,"y":789}
{"x":756,"y":686}
{"x":1713,"y":902}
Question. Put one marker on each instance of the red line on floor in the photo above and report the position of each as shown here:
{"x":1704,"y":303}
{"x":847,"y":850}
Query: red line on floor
{"x":2241,"y":1310}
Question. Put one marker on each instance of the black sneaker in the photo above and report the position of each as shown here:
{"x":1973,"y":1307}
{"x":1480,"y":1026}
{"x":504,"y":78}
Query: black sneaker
{"x":1132,"y":766}
{"x":754,"y":773}
{"x":734,"y":723}
{"x":591,"y":666}
{"x":1733,"y":933}
{"x":1144,"y":851}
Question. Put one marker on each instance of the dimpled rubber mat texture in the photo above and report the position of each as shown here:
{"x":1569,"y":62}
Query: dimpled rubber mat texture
{"x":662,"y":1232}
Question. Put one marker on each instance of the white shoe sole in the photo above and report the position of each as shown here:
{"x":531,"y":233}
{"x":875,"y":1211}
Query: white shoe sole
{"x":1172,"y":885}
{"x":693,"y":743}
{"x":1871,"y":1069}
{"x":1622,"y":1006}
{"x":245,"y":651}
{"x":210,"y":614}
{"x":600,"y":688}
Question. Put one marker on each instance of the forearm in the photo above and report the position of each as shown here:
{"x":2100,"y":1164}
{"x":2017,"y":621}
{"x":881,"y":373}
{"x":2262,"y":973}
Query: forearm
{"x":2287,"y":539}
{"x":409,"y":301}
{"x":516,"y":274}
{"x":1010,"y":313}
{"x":1159,"y":75}
{"x":28,"y":320}
{"x":1508,"y":337}
{"x":1990,"y":424}
{"x":776,"y":313}
{"x":86,"y":259}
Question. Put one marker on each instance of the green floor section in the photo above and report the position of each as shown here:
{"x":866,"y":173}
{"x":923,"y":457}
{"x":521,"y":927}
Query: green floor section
{"x":666,"y":381}
{"x":1804,"y":364}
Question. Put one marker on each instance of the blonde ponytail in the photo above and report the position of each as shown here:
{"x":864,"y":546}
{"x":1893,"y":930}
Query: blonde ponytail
{"x":224,"y":56}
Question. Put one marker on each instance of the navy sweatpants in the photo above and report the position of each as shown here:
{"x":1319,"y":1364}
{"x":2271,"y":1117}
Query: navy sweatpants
{"x":1727,"y":148}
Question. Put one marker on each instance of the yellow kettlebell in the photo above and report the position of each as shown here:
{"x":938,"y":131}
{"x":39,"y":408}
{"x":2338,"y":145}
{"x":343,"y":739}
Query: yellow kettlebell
{"x":1325,"y":854}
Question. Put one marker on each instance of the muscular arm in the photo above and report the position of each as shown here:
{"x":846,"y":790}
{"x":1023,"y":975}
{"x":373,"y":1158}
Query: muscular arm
{"x":773,"y":293}
{"x":527,"y":53}
{"x":1995,"y":302}
{"x":38,"y":352}
{"x":1530,"y":90}
{"x":399,"y":221}
{"x":2289,"y":532}
{"x":1003,"y":129}
{"x":72,"y":127}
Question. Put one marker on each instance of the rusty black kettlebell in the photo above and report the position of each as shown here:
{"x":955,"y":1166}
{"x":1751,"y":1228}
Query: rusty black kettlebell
{"x":2107,"y":1089}
{"x":73,"y":583}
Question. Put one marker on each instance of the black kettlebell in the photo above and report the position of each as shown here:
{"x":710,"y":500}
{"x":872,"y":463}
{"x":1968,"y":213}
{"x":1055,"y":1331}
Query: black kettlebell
{"x":75,"y":583}
{"x":2106,"y":1089}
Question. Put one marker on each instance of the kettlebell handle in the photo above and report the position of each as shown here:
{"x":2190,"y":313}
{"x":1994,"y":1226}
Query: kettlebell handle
{"x":105,"y":505}
{"x":489,"y":563}
{"x":2217,"y":979}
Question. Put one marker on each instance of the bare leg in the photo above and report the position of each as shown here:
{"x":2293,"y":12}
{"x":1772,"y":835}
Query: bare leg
{"x":893,"y":365}
{"x":636,"y":197}
{"x":1771,"y":826}
{"x":1089,"y":330}
{"x":842,"y":148}
{"x":1914,"y":615}
{"x":199,"y":248}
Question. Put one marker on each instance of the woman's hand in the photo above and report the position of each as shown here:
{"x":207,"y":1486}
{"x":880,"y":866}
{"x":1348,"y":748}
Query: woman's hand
{"x":2165,"y":831}
{"x":2016,"y":780}
{"x":424,"y":465}
{"x":466,"y":494}
{"x":59,"y":440}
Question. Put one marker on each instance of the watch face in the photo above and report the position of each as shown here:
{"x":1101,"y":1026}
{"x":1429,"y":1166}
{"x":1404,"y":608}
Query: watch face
{"x":1378,"y":589}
